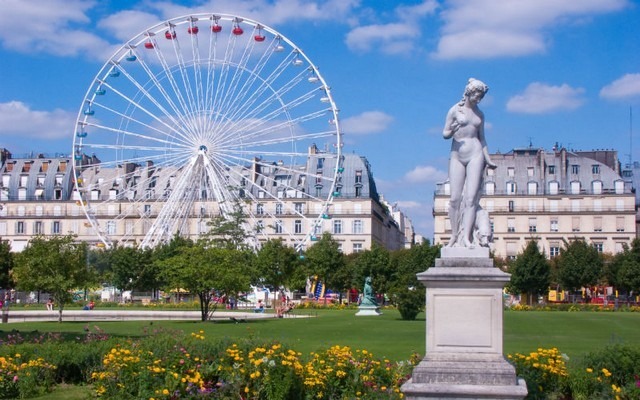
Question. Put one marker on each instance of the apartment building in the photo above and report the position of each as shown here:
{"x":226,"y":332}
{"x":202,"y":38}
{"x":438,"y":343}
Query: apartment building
{"x":38,"y":196}
{"x":551,"y":196}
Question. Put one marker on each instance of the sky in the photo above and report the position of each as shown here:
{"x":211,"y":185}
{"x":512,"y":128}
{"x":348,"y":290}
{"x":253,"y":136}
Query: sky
{"x":559,"y":72}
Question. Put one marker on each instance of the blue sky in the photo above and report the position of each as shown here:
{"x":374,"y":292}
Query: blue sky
{"x":558,"y":71}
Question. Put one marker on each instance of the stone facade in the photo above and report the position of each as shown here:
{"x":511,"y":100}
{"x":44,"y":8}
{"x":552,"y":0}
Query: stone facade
{"x":551,"y":197}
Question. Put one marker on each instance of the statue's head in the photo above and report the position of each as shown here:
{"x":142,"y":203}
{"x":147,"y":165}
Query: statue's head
{"x":367,"y":279}
{"x":475,"y":86}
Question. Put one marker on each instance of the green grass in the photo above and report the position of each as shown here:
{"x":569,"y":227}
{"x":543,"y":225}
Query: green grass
{"x":574,"y":333}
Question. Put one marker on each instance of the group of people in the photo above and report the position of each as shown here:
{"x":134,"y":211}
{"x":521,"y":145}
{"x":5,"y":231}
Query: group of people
{"x":282,"y":305}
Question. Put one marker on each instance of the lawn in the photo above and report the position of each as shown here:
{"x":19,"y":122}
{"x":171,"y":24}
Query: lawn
{"x":387,"y":336}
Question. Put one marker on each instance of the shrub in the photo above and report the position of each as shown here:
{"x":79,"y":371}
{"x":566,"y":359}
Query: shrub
{"x":22,"y":377}
{"x":410,"y":303}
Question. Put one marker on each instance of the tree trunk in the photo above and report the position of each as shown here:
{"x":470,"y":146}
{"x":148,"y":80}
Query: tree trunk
{"x":204,"y":305}
{"x":60,"y":313}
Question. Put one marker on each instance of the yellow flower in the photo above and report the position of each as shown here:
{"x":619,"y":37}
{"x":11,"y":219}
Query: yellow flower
{"x":606,"y":372}
{"x":165,"y":391}
{"x":589,"y":370}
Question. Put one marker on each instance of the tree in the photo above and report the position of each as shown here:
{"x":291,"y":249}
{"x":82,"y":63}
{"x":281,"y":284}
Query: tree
{"x":132,"y":268}
{"x":57,"y":265}
{"x":624,"y":270}
{"x":530,"y":272}
{"x":229,"y":230}
{"x":324,"y":259}
{"x":375,"y":264}
{"x":579,"y":265}
{"x":6,"y":263}
{"x":200,"y":269}
{"x":277,"y":264}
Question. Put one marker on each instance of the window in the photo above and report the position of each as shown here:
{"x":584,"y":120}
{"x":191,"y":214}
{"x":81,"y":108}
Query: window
{"x":530,"y":171}
{"x":490,"y":172}
{"x":279,"y":208}
{"x":20,"y":228}
{"x":575,"y":187}
{"x":357,"y":247}
{"x":57,"y":194}
{"x":532,"y":188}
{"x":619,"y":187}
{"x":278,"y":227}
{"x":551,"y":169}
{"x":575,"y":169}
{"x":299,"y":207}
{"x":553,"y":188}
{"x":111,"y":227}
{"x":259,"y":226}
{"x":511,"y":225}
{"x":489,"y":205}
{"x":260,"y":209}
{"x":619,"y":224}
{"x":512,"y":206}
{"x":447,"y":225}
{"x":3,"y":228}
{"x":512,"y":250}
{"x":358,"y":176}
{"x":490,"y":188}
{"x":147,"y":210}
{"x":596,"y":187}
{"x":597,"y":205}
{"x":37,"y":228}
{"x":533,"y":205}
{"x":24,"y":180}
{"x":55,"y":227}
{"x":575,"y":224}
{"x":22,"y":194}
{"x":554,"y":251}
{"x":553,"y":205}
{"x":595,"y":169}
{"x":575,"y":205}
{"x":358,"y":191}
{"x":597,"y":224}
{"x":511,"y":172}
{"x":554,"y":225}
{"x":297,"y":226}
{"x":598,"y":246}
{"x":533,"y":225}
{"x":337,"y":226}
{"x":357,"y":226}
{"x":619,"y":205}
{"x":511,"y":188}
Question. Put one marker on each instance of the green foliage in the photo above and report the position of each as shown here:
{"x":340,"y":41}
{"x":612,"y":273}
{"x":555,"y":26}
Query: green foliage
{"x":6,"y":263}
{"x":277,"y":264}
{"x":200,"y":270}
{"x":624,"y":270}
{"x":544,"y":371}
{"x":132,"y":268}
{"x":230,"y":230}
{"x":374,"y":263}
{"x":56,"y":265}
{"x":325,"y":259}
{"x":579,"y":265}
{"x":530,"y":272}
{"x":410,"y":302}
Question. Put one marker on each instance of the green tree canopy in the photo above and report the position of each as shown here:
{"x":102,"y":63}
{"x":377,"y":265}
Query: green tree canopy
{"x":530,"y":272}
{"x":6,"y":263}
{"x":375,"y":263}
{"x":201,"y":270}
{"x":623,"y":271}
{"x":325,"y":259}
{"x":579,"y":265}
{"x":56,"y":265}
{"x":278,"y":265}
{"x":132,"y":269}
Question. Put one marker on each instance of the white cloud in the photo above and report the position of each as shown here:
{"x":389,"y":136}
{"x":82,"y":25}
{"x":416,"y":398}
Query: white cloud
{"x":393,"y":38}
{"x":540,"y":98}
{"x":424,"y":174}
{"x":18,"y":120}
{"x":627,"y":86}
{"x":505,"y":28}
{"x":126,"y":24}
{"x":268,"y":12}
{"x":409,"y":205}
{"x":56,"y":27}
{"x":366,"y":123}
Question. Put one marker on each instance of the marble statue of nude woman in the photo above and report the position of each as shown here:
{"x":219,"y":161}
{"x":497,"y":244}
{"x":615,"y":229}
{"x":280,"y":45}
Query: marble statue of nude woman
{"x":468,"y":159}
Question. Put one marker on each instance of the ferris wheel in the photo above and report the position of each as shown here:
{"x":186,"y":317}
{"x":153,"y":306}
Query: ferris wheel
{"x":198,"y":116}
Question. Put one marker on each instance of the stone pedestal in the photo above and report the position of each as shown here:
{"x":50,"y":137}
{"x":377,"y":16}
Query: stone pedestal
{"x":368,"y":310}
{"x":464,"y":357}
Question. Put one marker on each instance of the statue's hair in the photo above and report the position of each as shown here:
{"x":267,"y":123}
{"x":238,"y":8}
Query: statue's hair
{"x":474,"y":85}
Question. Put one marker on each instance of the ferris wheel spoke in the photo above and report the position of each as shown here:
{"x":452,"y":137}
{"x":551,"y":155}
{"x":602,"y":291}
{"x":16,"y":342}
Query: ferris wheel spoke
{"x":144,"y":110}
{"x":148,"y":137}
{"x":159,"y":86}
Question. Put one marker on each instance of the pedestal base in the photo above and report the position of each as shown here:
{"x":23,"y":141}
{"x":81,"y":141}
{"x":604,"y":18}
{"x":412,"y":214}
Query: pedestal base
{"x":464,"y":357}
{"x":368,"y":310}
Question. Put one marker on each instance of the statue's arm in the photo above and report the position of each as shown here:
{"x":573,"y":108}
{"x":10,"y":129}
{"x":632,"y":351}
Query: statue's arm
{"x":450,"y":125}
{"x":483,"y":142}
